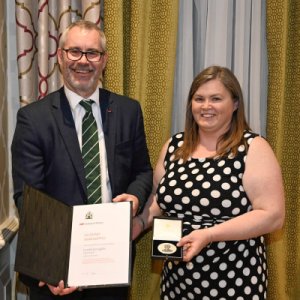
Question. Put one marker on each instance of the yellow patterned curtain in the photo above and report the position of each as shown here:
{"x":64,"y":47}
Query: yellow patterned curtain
{"x":142,"y":51}
{"x":283,"y":127}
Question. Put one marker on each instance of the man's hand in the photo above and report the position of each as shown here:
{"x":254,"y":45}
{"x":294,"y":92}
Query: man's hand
{"x":128,"y":197}
{"x":59,"y":290}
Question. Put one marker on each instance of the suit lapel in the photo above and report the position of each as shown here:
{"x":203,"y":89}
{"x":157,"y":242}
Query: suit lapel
{"x":66,"y":126}
{"x":108,"y":114}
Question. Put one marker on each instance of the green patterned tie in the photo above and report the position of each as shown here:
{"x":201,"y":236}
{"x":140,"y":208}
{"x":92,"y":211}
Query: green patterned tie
{"x":90,"y":153}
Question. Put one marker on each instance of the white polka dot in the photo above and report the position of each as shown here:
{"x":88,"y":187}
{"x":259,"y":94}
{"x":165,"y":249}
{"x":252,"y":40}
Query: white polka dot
{"x":199,"y":177}
{"x":217,"y":178}
{"x":227,"y":171}
{"x":206,"y":165}
{"x":181,"y":169}
{"x":225,"y":186}
{"x":236,"y":211}
{"x":185,"y":200}
{"x":168,"y":198}
{"x":182,"y":285}
{"x":232,"y":257}
{"x":196,"y":275}
{"x":231,"y":274}
{"x":199,"y":259}
{"x":188,"y":281}
{"x":189,"y":184}
{"x":178,"y":191}
{"x":241,"y":148}
{"x":195,"y":208}
{"x":235,"y":194}
{"x":234,"y":179}
{"x":231,"y":292}
{"x":180,"y":272}
{"x":195,"y":193}
{"x":206,"y":185}
{"x":183,"y":177}
{"x":197,"y":290}
{"x":214,"y":275}
{"x":221,"y":163}
{"x":162,"y":189}
{"x":239,"y":264}
{"x":237,"y":165}
{"x":222,"y":284}
{"x":246,"y":271}
{"x":215,"y":194}
{"x":205,"y":268}
{"x":221,"y":245}
{"x":178,"y":206}
{"x":215,"y":212}
{"x":205,"y":283}
{"x":247,"y":290}
{"x":195,"y":171}
{"x":253,"y":261}
{"x":223,"y":266}
{"x":226,"y":203}
{"x":239,"y":281}
{"x":172,"y":183}
{"x":214,"y":293}
{"x":171,"y":149}
{"x":192,"y":165}
{"x":254,"y":280}
{"x":204,"y":201}
{"x":210,"y":170}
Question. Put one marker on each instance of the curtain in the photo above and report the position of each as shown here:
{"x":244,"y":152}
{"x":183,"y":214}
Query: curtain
{"x":283,"y":38}
{"x":39,"y":26}
{"x":228,"y":33}
{"x":142,"y":49}
{"x":4,"y":203}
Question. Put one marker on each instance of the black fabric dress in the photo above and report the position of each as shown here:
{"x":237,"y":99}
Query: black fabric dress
{"x":205,"y":192}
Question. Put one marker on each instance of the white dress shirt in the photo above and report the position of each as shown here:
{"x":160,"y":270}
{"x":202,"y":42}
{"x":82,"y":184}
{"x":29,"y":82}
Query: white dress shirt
{"x":78,"y":113}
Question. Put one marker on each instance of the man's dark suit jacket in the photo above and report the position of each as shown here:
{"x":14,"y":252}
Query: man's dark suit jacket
{"x":46,"y":153}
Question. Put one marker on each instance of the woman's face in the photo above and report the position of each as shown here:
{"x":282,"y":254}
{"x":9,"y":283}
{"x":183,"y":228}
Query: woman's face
{"x":212,"y":107}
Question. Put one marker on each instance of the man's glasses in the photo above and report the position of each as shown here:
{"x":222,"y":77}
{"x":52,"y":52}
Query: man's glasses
{"x":76,"y":54}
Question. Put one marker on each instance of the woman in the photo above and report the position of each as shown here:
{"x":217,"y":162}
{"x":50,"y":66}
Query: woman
{"x":225,"y":183}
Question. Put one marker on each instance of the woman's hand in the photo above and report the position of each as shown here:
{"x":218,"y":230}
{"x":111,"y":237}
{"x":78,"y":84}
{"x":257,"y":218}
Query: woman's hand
{"x":194,"y":242}
{"x":59,"y":290}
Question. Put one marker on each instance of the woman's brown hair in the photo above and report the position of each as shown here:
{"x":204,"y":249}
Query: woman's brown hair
{"x":230,"y":140}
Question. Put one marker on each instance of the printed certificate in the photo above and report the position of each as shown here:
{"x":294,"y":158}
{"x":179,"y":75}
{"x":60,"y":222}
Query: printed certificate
{"x":100,"y":245}
{"x":86,"y":245}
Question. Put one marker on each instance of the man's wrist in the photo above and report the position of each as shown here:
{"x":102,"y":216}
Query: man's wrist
{"x":141,"y":220}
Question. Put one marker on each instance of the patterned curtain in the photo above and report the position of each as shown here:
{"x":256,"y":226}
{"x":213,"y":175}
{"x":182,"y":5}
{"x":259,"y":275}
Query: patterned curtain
{"x":39,"y":26}
{"x":283,"y":127}
{"x":142,"y":50}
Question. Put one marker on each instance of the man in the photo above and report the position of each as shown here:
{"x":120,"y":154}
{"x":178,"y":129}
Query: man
{"x":48,"y":141}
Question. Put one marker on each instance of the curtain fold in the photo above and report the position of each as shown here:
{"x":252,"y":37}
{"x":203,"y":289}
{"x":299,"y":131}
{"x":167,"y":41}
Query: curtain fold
{"x":142,"y":50}
{"x":283,"y":38}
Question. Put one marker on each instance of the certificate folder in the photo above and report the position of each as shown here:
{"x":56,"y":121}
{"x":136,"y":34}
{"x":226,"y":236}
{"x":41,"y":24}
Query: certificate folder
{"x":84,"y":245}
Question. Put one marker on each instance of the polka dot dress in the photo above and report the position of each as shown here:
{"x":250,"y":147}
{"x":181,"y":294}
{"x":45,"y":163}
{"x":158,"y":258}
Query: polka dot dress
{"x":205,"y":192}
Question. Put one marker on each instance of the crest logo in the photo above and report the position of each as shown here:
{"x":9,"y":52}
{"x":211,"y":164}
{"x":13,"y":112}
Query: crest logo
{"x":89,"y":215}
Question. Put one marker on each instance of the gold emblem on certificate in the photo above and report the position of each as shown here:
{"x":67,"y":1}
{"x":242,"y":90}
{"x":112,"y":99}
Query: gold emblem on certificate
{"x":166,"y":234}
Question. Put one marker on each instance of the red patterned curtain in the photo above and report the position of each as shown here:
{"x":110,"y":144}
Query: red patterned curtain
{"x":39,"y":26}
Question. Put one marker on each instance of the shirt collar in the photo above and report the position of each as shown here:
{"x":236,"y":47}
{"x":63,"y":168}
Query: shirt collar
{"x":74,"y":98}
